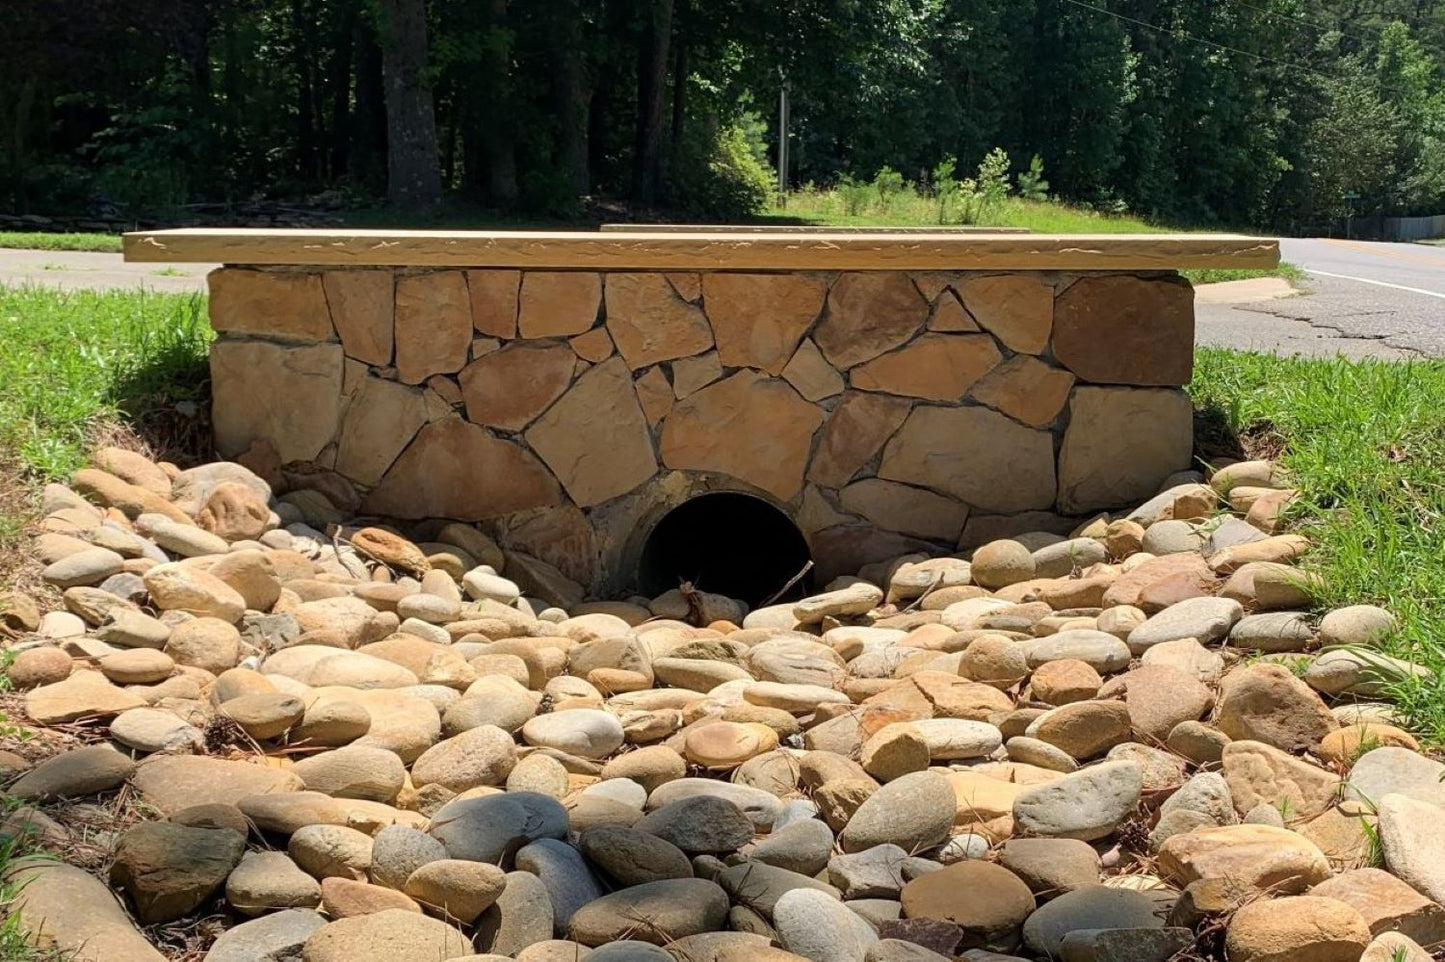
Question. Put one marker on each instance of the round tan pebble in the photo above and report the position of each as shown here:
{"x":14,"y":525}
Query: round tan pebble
{"x":344,"y":898}
{"x":208,"y":643}
{"x":999,"y":564}
{"x":649,"y":767}
{"x":235,"y":512}
{"x":327,"y":851}
{"x":539,"y":773}
{"x":727,"y":744}
{"x":138,"y":666}
{"x":1123,"y":538}
{"x":462,"y":889}
{"x":264,"y":715}
{"x":994,"y":660}
{"x":1065,"y":681}
{"x":1302,"y":928}
{"x":1120,"y":620}
{"x":1347,"y":744}
{"x":894,"y":752}
{"x":39,"y":666}
{"x":332,"y":724}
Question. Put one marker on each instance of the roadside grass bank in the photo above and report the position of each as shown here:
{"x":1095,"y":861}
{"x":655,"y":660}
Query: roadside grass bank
{"x":87,"y":367}
{"x":1365,"y":443}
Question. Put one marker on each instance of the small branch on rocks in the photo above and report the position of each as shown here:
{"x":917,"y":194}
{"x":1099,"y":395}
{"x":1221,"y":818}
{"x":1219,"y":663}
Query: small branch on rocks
{"x":802,"y":573}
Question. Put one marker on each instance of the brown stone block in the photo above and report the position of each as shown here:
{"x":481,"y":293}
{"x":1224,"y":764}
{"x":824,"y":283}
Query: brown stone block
{"x":844,"y":549}
{"x":379,"y":423}
{"x":596,"y":438}
{"x":692,"y":374}
{"x":363,"y":306}
{"x":560,"y":536}
{"x":509,"y":388}
{"x":654,"y":393}
{"x":1026,"y":389}
{"x":856,"y":431}
{"x":494,"y":301}
{"x":868,"y":314}
{"x":558,"y":303}
{"x":905,"y":509}
{"x":650,"y":323}
{"x":455,"y":469}
{"x":976,"y":455}
{"x":754,"y":428}
{"x":433,"y":324}
{"x":939,"y":367}
{"x":1018,"y":309}
{"x":290,"y":396}
{"x":811,"y":375}
{"x":983,"y":528}
{"x":759,"y":319}
{"x":949,"y":315}
{"x":594,"y":346}
{"x":286,"y":305}
{"x":1120,"y":329}
{"x":1120,"y":445}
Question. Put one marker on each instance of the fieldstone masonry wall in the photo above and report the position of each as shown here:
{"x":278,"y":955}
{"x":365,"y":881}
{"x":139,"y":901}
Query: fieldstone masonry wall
{"x":883,"y":411}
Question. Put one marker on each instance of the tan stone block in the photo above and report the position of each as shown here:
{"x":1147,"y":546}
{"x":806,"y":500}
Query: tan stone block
{"x":654,"y":393}
{"x":933,"y":283}
{"x":509,"y":388}
{"x":561,"y":536}
{"x":939,"y":367}
{"x":949,"y":315}
{"x":433,"y":324}
{"x":976,"y":455}
{"x":379,"y":423}
{"x":1119,"y":329}
{"x":558,"y":303}
{"x":455,"y":469}
{"x":811,"y":375}
{"x":856,"y":430}
{"x":595,"y":439}
{"x":687,"y":285}
{"x":868,"y":314}
{"x":445,"y":388}
{"x":1018,"y":309}
{"x":482,"y":346}
{"x":759,"y":319}
{"x":494,"y":301}
{"x":285,"y":305}
{"x":692,"y":374}
{"x":1025,"y":389}
{"x":362,"y":305}
{"x":1121,"y":444}
{"x":816,"y":513}
{"x":594,"y":346}
{"x":650,"y":323}
{"x":754,"y":428}
{"x":905,"y":509}
{"x":289,"y":396}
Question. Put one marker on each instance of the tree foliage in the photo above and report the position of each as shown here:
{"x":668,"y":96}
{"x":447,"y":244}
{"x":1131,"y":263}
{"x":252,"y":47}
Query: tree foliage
{"x":1280,"y":113}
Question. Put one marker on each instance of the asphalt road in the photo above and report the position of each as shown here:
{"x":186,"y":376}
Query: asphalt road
{"x":1362,"y":299}
{"x":89,"y":270}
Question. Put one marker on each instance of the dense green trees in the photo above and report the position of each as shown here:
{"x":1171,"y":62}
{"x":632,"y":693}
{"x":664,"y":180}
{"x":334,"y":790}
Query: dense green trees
{"x":1235,"y":112}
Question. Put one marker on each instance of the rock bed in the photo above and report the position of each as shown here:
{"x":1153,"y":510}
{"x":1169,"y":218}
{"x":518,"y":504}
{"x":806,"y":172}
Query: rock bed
{"x":1131,"y":743}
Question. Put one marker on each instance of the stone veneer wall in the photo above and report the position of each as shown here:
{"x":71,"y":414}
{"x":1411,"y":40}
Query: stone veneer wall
{"x":883,"y":411}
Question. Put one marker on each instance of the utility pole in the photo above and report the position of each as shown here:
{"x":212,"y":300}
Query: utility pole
{"x":783,"y":90}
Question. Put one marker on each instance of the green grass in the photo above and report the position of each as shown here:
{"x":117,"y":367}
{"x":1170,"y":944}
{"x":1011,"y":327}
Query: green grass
{"x":1215,"y":275}
{"x":1365,"y":442}
{"x":70,"y":360}
{"x":910,"y":209}
{"x":60,"y":242}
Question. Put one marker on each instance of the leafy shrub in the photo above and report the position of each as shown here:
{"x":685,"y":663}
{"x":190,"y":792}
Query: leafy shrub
{"x":723,"y":176}
{"x":856,"y":195}
{"x":946,"y":189}
{"x":887,"y":184}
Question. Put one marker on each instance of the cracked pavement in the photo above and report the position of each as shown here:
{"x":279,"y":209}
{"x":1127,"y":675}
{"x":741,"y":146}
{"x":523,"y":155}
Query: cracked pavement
{"x":1361,"y":300}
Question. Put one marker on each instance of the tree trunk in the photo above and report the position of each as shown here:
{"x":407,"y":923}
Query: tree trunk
{"x":574,"y":97}
{"x":652,"y":57}
{"x":367,"y":163}
{"x":679,"y":77}
{"x":501,"y":144}
{"x":303,"y":51}
{"x":339,"y":74}
{"x":413,"y":174}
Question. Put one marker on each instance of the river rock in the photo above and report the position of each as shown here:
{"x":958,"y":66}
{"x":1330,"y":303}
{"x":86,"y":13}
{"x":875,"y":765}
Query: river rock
{"x":655,"y":912}
{"x":1087,"y":805}
{"x":169,"y":869}
{"x":492,"y":828}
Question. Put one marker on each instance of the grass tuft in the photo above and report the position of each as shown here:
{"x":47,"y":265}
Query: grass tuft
{"x":1365,"y":441}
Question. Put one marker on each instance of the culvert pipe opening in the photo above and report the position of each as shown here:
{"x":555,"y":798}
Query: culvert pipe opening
{"x":729,"y":544}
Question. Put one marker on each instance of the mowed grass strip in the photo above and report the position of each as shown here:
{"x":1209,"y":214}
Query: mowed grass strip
{"x":77,"y":366}
{"x":1365,"y":442}
{"x":36,"y":241}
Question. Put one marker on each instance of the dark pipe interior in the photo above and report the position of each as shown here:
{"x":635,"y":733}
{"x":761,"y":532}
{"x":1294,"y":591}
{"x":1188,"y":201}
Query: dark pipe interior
{"x":726,"y":543}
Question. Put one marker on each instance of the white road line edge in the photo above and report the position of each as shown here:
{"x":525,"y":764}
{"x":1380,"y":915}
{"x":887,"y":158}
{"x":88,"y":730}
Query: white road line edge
{"x":1366,"y":280}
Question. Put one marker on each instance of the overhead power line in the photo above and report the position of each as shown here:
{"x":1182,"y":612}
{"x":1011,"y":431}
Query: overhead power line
{"x":1326,"y":28}
{"x":1183,"y":35}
